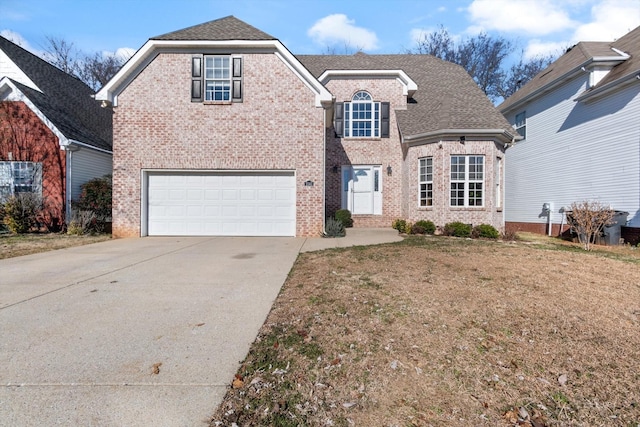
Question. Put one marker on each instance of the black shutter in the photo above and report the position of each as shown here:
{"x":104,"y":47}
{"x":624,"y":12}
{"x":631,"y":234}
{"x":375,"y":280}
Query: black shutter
{"x":338,"y":119}
{"x":196,"y":78}
{"x":384,"y":119}
{"x":236,"y":79}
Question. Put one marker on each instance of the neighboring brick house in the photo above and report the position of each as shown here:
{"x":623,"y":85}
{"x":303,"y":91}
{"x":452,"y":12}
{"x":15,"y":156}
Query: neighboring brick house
{"x":53,"y":136}
{"x":220,"y":130}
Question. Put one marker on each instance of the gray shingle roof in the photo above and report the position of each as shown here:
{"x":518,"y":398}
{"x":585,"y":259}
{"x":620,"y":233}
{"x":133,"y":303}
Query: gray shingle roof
{"x":65,"y":100}
{"x":576,"y":56}
{"x":447,"y":97}
{"x":630,"y":44}
{"x":228,"y":28}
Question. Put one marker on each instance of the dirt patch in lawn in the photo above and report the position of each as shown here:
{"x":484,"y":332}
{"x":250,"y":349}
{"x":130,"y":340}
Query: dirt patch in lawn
{"x":12,"y":245}
{"x":439,"y":331}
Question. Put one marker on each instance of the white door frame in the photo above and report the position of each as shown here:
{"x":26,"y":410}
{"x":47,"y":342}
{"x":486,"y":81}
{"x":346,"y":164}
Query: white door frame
{"x":348,"y":192}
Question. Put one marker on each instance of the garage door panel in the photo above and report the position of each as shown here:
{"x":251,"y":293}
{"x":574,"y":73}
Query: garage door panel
{"x":228,"y":203}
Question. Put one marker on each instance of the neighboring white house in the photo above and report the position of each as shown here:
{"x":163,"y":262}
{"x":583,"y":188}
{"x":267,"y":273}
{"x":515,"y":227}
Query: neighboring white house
{"x":580,"y":119}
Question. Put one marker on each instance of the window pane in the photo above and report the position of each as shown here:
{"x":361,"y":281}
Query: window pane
{"x":217,"y":78}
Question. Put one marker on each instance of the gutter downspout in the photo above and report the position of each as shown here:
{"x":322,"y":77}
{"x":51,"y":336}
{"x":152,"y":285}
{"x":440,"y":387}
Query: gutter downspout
{"x":69,"y":149}
{"x":324,"y":169}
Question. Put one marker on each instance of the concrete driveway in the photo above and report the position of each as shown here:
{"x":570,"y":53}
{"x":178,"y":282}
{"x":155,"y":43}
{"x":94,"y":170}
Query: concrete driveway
{"x":137,"y":332}
{"x":82,"y":329}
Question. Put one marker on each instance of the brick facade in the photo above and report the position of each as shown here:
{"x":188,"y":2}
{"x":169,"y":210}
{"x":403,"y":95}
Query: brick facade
{"x":276,"y":127}
{"x":368,"y":151}
{"x":279,"y":127}
{"x":400,"y":189}
{"x":28,"y":139}
{"x":441,"y":212}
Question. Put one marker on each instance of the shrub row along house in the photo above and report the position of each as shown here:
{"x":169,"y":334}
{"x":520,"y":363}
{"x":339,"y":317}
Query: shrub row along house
{"x":580,"y":119}
{"x":220,"y":130}
{"x":53,"y":136}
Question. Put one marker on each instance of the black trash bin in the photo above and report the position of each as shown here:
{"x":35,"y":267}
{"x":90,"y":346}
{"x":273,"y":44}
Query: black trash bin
{"x":613,"y":231}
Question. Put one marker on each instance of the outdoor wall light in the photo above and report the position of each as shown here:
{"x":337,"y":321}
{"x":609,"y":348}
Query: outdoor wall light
{"x":389,"y":170}
{"x":334,"y":169}
{"x":462,"y":139}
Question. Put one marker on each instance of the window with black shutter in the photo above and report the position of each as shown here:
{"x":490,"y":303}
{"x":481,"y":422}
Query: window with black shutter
{"x":216,"y":78}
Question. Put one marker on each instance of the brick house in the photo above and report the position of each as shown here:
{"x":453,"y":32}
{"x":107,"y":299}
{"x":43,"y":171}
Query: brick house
{"x":248,"y":139}
{"x":53,"y":136}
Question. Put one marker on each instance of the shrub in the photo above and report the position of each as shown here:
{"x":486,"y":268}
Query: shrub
{"x":96,"y":197}
{"x":81,"y":222}
{"x":402,"y":226}
{"x":344,"y":216}
{"x":417,"y":229}
{"x":587,"y":219}
{"x":486,"y":231}
{"x":333,"y":228}
{"x":457,"y":229}
{"x":399,"y":224}
{"x":510,"y":236}
{"x":21,"y":211}
{"x":428,"y":226}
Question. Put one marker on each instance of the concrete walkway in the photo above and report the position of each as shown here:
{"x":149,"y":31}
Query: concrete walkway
{"x":138,"y":332}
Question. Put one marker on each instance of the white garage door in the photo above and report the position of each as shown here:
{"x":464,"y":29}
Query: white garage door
{"x":221,"y":204}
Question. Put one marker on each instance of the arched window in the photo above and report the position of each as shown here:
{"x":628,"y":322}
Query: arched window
{"x":361,"y":116}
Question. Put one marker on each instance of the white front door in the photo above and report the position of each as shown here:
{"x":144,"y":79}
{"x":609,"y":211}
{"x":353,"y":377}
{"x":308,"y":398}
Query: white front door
{"x":362,"y":189}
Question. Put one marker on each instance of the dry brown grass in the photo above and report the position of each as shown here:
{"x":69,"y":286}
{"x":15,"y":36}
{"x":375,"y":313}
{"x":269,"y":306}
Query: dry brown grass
{"x":13,"y":245}
{"x":448,"y":332}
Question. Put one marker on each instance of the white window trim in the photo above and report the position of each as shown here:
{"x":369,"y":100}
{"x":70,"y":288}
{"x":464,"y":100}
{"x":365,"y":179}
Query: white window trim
{"x":425,"y":182}
{"x":349,"y":119}
{"x":466,"y":181}
{"x":8,"y":177}
{"x":518,"y":126}
{"x":227,"y":81}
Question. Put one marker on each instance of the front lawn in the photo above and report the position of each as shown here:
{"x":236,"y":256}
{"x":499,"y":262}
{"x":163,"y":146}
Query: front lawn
{"x":437,"y":331}
{"x":12,"y":245}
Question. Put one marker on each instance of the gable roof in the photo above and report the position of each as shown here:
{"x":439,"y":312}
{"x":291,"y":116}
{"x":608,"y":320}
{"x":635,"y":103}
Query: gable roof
{"x":227,"y":28}
{"x":447,"y":100}
{"x":63,"y":99}
{"x":227,"y":33}
{"x":623,"y":55}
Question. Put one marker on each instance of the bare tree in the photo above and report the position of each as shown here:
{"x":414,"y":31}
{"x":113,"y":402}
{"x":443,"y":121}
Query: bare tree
{"x":587,"y":219}
{"x":522,"y":72}
{"x":97,"y":69}
{"x":63,"y":54}
{"x":93,"y":69}
{"x":485,"y":58}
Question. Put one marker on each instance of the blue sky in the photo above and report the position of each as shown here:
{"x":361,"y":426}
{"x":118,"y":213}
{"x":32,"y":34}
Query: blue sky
{"x":312,"y":26}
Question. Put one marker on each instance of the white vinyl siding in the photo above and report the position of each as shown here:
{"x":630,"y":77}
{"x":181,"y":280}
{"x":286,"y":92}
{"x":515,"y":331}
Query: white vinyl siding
{"x":87,"y":164}
{"x":576,"y":151}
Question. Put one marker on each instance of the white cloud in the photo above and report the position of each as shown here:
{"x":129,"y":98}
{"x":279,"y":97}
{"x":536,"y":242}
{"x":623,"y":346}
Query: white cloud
{"x":123,"y":52}
{"x":17,"y":39}
{"x":539,"y":48}
{"x":417,"y":35}
{"x":339,"y":29}
{"x":536,"y":17}
{"x":611,"y":20}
